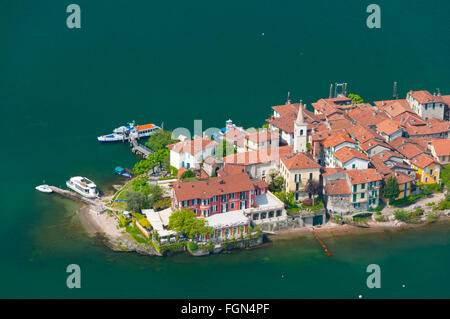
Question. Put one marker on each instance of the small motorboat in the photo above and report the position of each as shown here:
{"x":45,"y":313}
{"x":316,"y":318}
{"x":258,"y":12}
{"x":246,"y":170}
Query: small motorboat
{"x":44,"y":189}
{"x":123,"y":172}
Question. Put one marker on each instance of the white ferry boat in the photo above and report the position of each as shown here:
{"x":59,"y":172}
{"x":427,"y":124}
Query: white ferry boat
{"x":83,"y":186}
{"x":123,"y":133}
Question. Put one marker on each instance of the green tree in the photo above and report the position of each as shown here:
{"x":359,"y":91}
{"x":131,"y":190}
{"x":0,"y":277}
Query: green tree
{"x":160,"y":139}
{"x":155,"y":193}
{"x":187,"y":174}
{"x":161,"y":156}
{"x":185,"y":222}
{"x":136,"y":201}
{"x":401,"y":215}
{"x":356,"y":99}
{"x":287,"y":198}
{"x":445,"y":176}
{"x":391,"y":189}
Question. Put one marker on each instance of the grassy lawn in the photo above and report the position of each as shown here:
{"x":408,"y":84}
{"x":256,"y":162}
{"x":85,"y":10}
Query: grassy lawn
{"x":123,"y":192}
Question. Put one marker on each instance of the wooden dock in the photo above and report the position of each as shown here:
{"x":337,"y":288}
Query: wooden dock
{"x":325,"y":248}
{"x":96,"y":204}
{"x":139,"y":149}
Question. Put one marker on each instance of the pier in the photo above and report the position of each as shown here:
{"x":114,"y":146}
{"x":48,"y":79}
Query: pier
{"x":97,"y":205}
{"x":139,"y":149}
{"x":325,"y":248}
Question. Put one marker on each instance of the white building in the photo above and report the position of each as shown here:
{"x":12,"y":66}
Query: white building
{"x":426,"y":105}
{"x":190,"y":153}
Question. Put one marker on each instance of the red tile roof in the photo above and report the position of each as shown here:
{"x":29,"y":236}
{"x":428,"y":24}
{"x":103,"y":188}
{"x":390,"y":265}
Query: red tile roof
{"x":216,"y":186}
{"x":192,"y":146}
{"x":299,"y":161}
{"x":388,"y":127}
{"x":441,"y":147}
{"x":337,"y":140}
{"x":363,"y":134}
{"x":394,"y":107}
{"x":360,"y":176}
{"x":424,"y":97}
{"x":368,"y":145}
{"x":423,"y":161}
{"x":409,"y":150}
{"x":337,"y":187}
{"x":433,"y":128}
{"x":367,"y":115}
{"x":346,"y":154}
{"x":257,"y":157}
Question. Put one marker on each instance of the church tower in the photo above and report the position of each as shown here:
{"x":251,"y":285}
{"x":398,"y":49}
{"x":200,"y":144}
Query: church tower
{"x":300,"y":127}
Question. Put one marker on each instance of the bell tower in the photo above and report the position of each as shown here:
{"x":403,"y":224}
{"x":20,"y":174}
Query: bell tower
{"x":300,"y":127}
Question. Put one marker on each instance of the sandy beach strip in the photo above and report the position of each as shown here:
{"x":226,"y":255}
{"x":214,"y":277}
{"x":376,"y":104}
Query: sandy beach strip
{"x":95,"y":222}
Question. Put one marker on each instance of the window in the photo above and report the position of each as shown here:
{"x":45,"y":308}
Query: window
{"x":354,"y":197}
{"x":297,"y":178}
{"x":231,"y":205}
{"x":355,"y":188}
{"x":224,"y":198}
{"x":363,"y":186}
{"x":242,"y":195}
{"x":278,"y":213}
{"x":310,"y":175}
{"x":255,"y":216}
{"x":362,"y":195}
{"x":297,"y":186}
{"x":232,"y":196}
{"x":263,"y":215}
{"x":353,"y":166}
{"x":271,"y":213}
{"x":214,"y":199}
{"x":214,"y":208}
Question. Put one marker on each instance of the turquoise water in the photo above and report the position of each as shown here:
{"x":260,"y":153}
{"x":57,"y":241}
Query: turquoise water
{"x":176,"y":62}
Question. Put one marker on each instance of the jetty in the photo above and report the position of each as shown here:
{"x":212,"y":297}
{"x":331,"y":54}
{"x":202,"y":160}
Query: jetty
{"x":139,"y":149}
{"x":325,"y":248}
{"x":97,"y":205}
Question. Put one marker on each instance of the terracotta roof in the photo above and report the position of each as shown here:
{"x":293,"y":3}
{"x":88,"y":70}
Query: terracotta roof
{"x":340,"y":123}
{"x":409,"y":119}
{"x":368,"y":145}
{"x":192,"y":146}
{"x":257,"y":157}
{"x":423,"y":161}
{"x":394,"y":107}
{"x":363,"y":134}
{"x":260,"y":183}
{"x":431,"y":129}
{"x":441,"y":147}
{"x":331,"y":170}
{"x":337,"y":140}
{"x":346,"y":153}
{"x":337,"y":187}
{"x":235,"y":134}
{"x":367,"y":115}
{"x":360,"y":176}
{"x":424,"y":97}
{"x":299,"y":161}
{"x":230,"y":169}
{"x":409,"y":150}
{"x":388,"y":127}
{"x":387,"y":155}
{"x":216,"y":186}
{"x":400,"y":177}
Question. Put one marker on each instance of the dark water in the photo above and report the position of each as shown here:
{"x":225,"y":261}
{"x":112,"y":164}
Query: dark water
{"x":175,"y":62}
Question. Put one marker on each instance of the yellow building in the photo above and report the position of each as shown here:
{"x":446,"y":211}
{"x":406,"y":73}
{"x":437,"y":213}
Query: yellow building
{"x":427,"y":169}
{"x":404,"y":184}
{"x":297,"y":170}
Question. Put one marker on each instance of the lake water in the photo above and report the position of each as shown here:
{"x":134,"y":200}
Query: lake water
{"x":177,"y":62}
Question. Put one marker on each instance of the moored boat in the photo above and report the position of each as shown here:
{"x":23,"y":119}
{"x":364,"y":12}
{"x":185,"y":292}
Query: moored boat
{"x":123,"y":172}
{"x":83,"y":186}
{"x":44,"y":189}
{"x":123,"y":133}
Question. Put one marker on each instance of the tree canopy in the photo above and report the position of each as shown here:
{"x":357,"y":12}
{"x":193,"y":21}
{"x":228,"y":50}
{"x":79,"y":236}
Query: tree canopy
{"x":184,"y":221}
{"x":136,"y":201}
{"x":356,"y":99}
{"x":187,"y":174}
{"x":224,"y":148}
{"x":314,"y":188}
{"x":391,"y":189}
{"x":160,"y":139}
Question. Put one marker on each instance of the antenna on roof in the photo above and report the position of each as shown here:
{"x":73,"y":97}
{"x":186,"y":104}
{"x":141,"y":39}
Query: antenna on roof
{"x":439,"y":92}
{"x":395,"y":90}
{"x":331,"y":90}
{"x":288,"y":98}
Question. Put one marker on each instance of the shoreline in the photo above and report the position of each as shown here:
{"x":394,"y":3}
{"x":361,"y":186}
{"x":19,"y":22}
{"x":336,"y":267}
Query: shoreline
{"x":103,"y":225}
{"x":328,"y":231}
